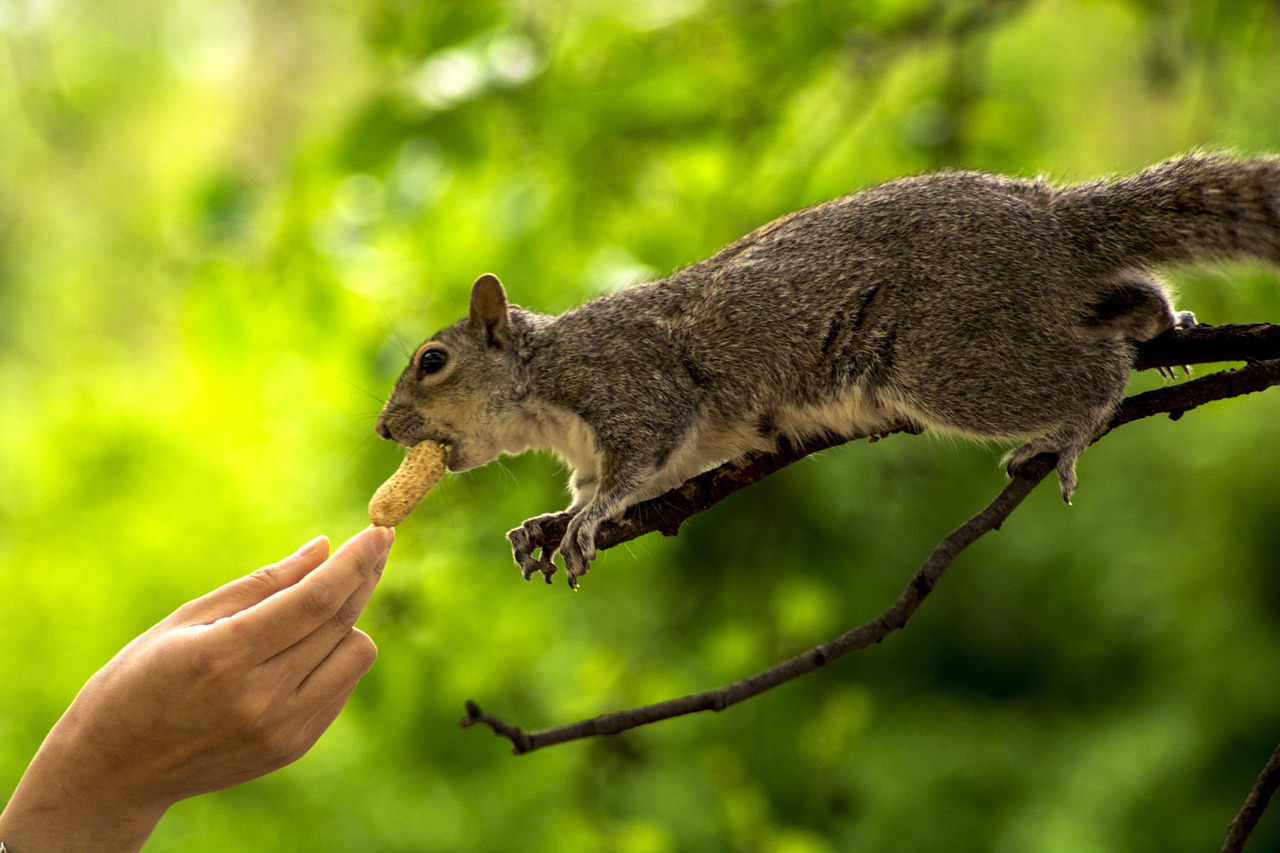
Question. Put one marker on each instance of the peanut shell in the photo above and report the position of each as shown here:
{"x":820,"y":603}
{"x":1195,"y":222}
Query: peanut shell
{"x":421,"y":469}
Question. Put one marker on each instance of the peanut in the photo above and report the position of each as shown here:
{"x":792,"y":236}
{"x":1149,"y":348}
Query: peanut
{"x":421,"y":469}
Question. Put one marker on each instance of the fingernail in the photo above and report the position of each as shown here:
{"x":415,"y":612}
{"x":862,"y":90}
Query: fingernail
{"x":382,"y":547}
{"x":310,"y":547}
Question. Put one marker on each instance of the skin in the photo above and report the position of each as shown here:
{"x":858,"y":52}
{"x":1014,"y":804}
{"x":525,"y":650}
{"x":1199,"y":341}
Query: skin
{"x":230,"y":687}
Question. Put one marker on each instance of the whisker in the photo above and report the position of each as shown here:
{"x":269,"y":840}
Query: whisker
{"x":394,"y":333}
{"x":402,"y":344}
{"x":378,"y":398}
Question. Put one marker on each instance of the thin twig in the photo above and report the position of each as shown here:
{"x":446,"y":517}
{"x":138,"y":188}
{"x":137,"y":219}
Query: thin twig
{"x":1254,"y":805}
{"x":858,"y":638}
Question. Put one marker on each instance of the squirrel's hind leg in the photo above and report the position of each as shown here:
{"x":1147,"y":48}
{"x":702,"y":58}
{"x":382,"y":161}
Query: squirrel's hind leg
{"x":1066,"y":441}
{"x":1135,"y":307}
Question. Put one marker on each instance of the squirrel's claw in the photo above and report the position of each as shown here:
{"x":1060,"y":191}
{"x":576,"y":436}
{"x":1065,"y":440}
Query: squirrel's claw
{"x":546,"y":565}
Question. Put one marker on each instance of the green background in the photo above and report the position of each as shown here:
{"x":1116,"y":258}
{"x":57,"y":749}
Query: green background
{"x":225,"y":223}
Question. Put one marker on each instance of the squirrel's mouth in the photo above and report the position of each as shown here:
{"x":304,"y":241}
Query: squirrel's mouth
{"x":463,"y":456}
{"x":452,"y":456}
{"x":462,"y":451}
{"x":455,"y":460}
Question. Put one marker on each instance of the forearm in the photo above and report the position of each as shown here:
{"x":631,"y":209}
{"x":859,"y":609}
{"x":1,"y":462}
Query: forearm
{"x":49,"y":821}
{"x":66,"y":801}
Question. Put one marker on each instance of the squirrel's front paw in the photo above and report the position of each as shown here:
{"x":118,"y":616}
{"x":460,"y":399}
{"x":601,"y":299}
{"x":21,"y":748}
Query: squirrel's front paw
{"x":578,"y":549}
{"x":527,"y":538}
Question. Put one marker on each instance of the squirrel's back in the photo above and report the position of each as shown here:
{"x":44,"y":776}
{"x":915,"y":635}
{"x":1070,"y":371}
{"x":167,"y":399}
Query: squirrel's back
{"x":891,"y":288}
{"x":808,"y":304}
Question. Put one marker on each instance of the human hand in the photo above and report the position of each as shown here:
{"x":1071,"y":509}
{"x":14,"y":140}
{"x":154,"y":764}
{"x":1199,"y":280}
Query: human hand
{"x":231,"y":686}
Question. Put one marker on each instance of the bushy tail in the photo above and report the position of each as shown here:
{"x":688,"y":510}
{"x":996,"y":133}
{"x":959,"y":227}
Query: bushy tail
{"x":1191,"y":209}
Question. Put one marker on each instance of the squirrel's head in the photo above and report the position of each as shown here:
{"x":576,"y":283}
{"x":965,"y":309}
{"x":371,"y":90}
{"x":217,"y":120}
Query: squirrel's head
{"x":460,"y":386}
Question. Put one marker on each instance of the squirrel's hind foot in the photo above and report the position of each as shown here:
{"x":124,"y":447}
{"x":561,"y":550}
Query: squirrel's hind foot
{"x":1066,"y":464}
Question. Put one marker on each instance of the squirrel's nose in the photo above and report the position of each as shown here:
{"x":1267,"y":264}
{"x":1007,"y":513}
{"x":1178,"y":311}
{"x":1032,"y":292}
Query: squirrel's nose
{"x":382,"y":429}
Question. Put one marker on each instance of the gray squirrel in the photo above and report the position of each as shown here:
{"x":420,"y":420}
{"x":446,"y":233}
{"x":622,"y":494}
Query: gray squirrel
{"x":964,"y":303}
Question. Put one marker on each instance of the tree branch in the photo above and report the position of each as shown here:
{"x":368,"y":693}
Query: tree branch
{"x":1208,"y":344}
{"x":861,"y":637}
{"x":1173,"y":400}
{"x":666,"y":513}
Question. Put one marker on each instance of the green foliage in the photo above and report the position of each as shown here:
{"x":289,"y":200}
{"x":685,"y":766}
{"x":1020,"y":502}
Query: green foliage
{"x":224,"y":224}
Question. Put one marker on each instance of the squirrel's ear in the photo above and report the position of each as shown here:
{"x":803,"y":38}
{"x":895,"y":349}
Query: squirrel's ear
{"x":489,"y":319}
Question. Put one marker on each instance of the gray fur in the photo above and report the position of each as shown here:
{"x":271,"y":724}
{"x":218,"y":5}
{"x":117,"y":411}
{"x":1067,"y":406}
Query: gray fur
{"x":964,"y":303}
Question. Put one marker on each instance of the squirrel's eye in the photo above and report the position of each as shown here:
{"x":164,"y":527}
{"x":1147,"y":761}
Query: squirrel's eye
{"x":432,"y":360}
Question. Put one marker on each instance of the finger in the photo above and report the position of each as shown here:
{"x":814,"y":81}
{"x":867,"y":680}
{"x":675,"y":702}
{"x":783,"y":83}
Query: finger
{"x":308,"y":734}
{"x":337,"y":675}
{"x":245,"y":592}
{"x":308,"y":653}
{"x":283,"y":619}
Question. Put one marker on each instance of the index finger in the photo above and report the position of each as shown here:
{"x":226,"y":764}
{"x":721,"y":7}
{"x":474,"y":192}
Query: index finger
{"x":294,"y":613}
{"x":244,"y":592}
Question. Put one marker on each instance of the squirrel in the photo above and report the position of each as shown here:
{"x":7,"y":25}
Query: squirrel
{"x":966,"y":303}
